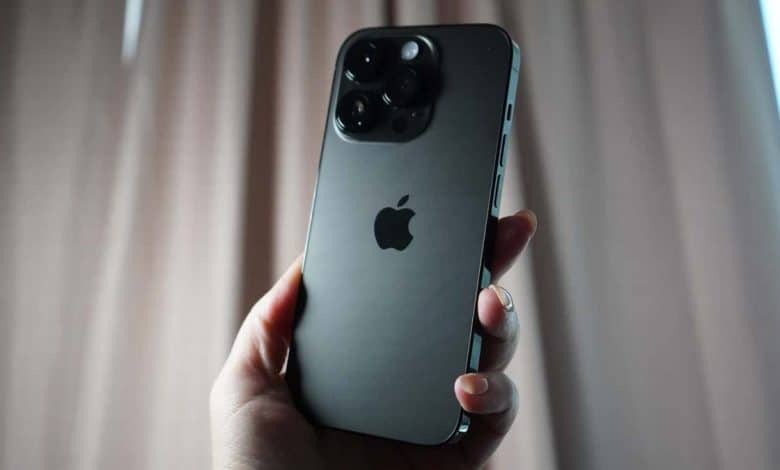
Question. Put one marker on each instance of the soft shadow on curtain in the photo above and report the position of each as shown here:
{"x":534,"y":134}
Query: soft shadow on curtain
{"x":145,"y":205}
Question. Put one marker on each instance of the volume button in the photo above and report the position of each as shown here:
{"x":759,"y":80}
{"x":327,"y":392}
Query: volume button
{"x":497,"y":193}
{"x":503,"y":146}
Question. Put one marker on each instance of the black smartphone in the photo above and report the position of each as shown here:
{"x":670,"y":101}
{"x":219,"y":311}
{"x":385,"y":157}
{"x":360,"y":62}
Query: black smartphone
{"x":401,"y":229}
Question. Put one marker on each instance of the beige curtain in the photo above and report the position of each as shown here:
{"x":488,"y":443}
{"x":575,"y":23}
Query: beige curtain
{"x":654,"y":157}
{"x":121,"y":201}
{"x":146,"y":201}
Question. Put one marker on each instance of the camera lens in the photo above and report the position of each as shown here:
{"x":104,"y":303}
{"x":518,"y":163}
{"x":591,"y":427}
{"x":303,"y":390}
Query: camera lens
{"x":403,"y":88}
{"x":363,"y":62}
{"x":356,"y":112}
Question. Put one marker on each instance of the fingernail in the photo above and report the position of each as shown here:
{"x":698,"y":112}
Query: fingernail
{"x":504,"y":297}
{"x":473,"y":384}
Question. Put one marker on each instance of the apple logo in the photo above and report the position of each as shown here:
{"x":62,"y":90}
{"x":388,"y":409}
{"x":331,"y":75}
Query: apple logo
{"x":391,"y":227}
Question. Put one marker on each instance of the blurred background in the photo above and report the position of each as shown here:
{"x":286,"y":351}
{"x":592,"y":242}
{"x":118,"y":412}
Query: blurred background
{"x":157,"y":164}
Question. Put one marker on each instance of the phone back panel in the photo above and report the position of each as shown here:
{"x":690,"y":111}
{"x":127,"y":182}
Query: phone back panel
{"x":382,"y":334}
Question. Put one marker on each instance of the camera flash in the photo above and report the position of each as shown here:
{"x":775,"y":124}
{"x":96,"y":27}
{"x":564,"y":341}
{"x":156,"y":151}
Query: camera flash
{"x":409,"y":50}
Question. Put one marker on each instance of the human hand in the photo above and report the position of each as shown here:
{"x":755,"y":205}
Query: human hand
{"x":255,"y":425}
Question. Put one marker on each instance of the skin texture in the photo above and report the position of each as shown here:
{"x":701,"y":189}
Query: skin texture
{"x":255,"y":425}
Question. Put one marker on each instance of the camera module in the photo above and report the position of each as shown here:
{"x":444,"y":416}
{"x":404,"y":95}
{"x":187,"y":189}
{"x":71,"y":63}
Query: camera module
{"x":388,"y":84}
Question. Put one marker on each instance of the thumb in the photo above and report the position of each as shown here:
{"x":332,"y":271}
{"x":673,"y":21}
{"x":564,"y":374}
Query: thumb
{"x":260,"y":348}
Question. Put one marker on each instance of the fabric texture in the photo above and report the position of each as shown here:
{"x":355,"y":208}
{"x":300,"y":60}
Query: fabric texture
{"x":147,"y":201}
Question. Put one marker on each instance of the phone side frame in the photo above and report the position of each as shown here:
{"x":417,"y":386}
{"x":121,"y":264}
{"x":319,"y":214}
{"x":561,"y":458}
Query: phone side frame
{"x":475,"y":349}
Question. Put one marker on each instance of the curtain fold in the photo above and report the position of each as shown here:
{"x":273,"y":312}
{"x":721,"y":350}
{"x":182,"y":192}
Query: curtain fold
{"x":146,"y":203}
{"x":122,"y":220}
{"x":656,"y":156}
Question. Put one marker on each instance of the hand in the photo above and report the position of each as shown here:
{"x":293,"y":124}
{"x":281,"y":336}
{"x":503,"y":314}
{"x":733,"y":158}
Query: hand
{"x":256,"y":426}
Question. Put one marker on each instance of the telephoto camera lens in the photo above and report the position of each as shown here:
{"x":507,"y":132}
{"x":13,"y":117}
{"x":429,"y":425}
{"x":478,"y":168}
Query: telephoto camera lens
{"x":363,"y":62}
{"x":356,"y":112}
{"x":403,"y":87}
